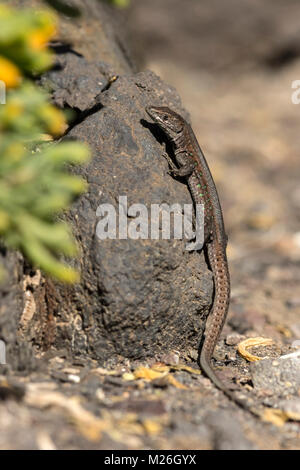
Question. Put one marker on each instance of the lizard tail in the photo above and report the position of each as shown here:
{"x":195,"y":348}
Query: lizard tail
{"x":218,"y":262}
{"x":219,"y":266}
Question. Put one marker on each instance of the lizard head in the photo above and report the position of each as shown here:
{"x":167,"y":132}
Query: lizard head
{"x":168,"y":120}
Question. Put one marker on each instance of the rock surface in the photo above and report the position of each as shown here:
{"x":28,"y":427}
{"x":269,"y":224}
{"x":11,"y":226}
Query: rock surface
{"x":135,"y":295}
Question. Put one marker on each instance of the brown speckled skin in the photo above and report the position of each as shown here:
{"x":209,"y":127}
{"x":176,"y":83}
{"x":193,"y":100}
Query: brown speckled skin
{"x":192,"y":164}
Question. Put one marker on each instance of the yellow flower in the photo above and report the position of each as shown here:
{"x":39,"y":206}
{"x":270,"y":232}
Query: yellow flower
{"x":54,"y":119}
{"x":39,"y":37}
{"x":9,"y":73}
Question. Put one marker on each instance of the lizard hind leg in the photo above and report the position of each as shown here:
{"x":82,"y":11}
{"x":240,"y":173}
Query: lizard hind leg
{"x":202,"y":231}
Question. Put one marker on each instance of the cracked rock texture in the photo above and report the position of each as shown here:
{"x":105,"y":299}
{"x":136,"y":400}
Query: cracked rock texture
{"x":75,"y":82}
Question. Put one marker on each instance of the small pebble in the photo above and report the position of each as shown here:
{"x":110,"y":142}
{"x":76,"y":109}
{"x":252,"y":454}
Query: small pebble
{"x":233,"y":339}
{"x":171,"y":358}
{"x":231,"y":356}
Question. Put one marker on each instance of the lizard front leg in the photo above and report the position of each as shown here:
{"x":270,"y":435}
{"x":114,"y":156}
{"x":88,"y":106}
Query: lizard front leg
{"x":185,"y":170}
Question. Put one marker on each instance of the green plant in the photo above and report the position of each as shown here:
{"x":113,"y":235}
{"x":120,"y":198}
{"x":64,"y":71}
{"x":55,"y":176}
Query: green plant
{"x":34,"y":184}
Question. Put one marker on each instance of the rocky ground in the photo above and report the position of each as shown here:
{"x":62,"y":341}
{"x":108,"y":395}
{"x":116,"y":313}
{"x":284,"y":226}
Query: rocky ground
{"x":234,"y":78}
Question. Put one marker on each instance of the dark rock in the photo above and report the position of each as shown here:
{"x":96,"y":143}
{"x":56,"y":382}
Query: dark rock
{"x":137,"y":297}
{"x":75,"y":82}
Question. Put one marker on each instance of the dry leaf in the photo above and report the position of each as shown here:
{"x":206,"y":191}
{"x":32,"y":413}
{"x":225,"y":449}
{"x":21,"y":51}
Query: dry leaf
{"x":175,"y":383}
{"x":150,"y":374}
{"x":250,"y":342}
{"x":159,"y":367}
{"x":90,"y":426}
{"x":128,"y":376}
{"x":277,"y":417}
{"x":159,"y":371}
{"x":186,"y":369}
{"x":291,"y":408}
{"x":284,"y":330}
{"x":293,"y":415}
{"x":152,"y":427}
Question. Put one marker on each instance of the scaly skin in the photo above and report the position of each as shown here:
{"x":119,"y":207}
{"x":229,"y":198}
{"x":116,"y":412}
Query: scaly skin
{"x":192,"y":164}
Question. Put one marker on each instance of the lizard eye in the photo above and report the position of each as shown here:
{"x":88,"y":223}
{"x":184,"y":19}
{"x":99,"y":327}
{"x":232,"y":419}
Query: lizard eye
{"x":165,"y":117}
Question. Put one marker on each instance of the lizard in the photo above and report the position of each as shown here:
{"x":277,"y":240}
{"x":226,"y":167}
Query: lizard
{"x":192,"y":165}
